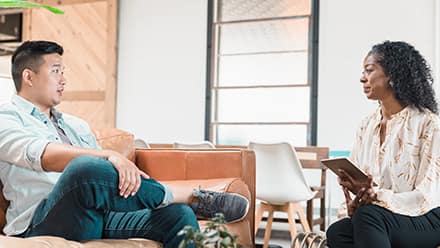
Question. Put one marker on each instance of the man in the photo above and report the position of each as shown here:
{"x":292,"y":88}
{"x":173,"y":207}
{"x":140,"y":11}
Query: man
{"x":60,"y":183}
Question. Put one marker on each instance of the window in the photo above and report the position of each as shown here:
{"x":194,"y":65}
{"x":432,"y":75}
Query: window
{"x":262,"y":80}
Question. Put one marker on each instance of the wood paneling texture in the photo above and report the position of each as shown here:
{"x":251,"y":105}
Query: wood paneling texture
{"x":87,"y":32}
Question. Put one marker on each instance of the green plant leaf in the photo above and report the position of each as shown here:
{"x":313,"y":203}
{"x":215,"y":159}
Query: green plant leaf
{"x":211,"y":234}
{"x":26,"y":4}
{"x":215,"y":235}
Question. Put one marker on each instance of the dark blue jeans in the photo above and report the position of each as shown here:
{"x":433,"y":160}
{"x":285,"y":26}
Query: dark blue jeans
{"x":375,"y":227}
{"x":85,"y":204}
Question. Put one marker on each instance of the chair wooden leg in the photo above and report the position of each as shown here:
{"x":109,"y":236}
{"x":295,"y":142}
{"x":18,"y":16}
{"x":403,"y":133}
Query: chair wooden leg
{"x":291,"y":209}
{"x":302,"y":217}
{"x":310,"y":212}
{"x":322,"y":213}
{"x":258,"y":217}
{"x":291,"y":218}
{"x":268,"y":228}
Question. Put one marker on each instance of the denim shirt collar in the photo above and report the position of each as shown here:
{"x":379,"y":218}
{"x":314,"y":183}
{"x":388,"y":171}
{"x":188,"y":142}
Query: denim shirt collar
{"x":30,"y":108}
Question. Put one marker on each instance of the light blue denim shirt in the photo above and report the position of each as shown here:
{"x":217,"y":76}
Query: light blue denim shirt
{"x":24,"y":134}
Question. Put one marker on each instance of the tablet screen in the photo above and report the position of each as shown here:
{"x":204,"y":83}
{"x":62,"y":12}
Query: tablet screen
{"x":334,"y":164}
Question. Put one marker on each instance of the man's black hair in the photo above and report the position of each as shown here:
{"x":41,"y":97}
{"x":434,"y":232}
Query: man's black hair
{"x":29,"y":56}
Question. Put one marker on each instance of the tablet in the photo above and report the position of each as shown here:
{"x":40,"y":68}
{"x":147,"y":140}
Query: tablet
{"x":334,"y":164}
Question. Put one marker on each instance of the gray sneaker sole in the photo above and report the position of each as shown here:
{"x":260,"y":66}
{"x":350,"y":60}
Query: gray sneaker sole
{"x":247,"y":208}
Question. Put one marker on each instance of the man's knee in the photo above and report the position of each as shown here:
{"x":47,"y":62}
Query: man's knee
{"x":83,"y":167}
{"x":184,"y":214}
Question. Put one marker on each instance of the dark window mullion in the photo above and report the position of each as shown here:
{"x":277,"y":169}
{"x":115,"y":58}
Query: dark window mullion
{"x":261,"y":86}
{"x":262,"y":53}
{"x":267,"y":19}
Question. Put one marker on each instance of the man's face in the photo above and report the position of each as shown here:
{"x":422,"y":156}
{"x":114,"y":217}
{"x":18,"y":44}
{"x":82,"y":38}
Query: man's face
{"x":48,"y":82}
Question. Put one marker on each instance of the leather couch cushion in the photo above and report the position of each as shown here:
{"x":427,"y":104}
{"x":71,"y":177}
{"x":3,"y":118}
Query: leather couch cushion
{"x":184,"y":165}
{"x":3,"y":207}
{"x":116,"y":140}
{"x":57,"y":242}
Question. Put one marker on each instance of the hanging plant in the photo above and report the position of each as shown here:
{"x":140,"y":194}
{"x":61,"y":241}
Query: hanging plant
{"x":27,"y":4}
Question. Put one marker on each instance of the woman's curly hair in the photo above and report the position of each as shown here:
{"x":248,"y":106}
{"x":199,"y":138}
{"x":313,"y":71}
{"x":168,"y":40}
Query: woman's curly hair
{"x":409,"y":73}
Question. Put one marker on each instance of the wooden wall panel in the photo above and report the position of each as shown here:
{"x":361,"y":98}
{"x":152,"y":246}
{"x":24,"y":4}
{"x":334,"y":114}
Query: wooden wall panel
{"x":92,"y":111}
{"x":87,"y":31}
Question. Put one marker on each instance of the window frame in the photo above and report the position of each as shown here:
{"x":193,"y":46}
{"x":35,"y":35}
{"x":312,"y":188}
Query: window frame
{"x":211,"y":75}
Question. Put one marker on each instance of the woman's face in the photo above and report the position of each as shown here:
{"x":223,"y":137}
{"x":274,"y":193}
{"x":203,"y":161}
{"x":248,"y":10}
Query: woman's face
{"x":375,"y":83}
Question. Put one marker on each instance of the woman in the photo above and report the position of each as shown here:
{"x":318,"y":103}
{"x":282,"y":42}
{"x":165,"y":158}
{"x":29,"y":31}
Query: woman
{"x":399,"y":147}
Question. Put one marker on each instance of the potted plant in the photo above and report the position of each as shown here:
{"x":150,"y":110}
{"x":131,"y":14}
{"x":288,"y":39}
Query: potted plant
{"x":214,"y":235}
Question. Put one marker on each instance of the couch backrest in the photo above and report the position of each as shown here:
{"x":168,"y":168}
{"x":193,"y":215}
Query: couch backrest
{"x":108,"y":138}
{"x":172,"y":164}
{"x":116,"y":140}
{"x":3,"y":206}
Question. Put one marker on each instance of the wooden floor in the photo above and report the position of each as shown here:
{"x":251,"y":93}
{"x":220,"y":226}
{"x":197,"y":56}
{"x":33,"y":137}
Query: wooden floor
{"x":280,"y":235}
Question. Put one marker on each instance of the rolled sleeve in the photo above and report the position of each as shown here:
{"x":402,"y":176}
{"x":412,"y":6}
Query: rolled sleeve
{"x":19,"y":145}
{"x":34,"y":152}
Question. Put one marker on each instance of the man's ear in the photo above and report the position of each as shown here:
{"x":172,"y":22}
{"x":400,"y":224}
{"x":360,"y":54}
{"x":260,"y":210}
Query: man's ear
{"x":26,"y":77}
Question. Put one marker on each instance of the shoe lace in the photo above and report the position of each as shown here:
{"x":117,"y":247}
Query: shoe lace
{"x":206,"y":204}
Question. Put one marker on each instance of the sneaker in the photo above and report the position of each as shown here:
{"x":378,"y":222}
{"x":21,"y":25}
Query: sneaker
{"x":206,"y":204}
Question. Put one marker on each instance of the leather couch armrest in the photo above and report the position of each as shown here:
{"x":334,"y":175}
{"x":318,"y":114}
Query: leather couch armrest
{"x":170,"y":164}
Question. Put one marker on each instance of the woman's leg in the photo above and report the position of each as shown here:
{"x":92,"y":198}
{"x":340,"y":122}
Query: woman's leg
{"x":340,"y":234}
{"x":374,"y":226}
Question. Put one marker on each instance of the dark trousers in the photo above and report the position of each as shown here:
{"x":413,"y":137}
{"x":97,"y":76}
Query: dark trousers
{"x":85,"y":204}
{"x":375,"y":227}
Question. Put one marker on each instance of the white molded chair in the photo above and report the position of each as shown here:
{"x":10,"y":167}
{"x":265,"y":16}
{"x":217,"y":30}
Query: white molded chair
{"x":203,"y":145}
{"x":140,"y":143}
{"x":281,"y":185}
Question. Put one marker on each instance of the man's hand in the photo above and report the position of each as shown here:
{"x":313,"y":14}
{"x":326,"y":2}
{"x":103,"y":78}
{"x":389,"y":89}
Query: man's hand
{"x":129,"y":174}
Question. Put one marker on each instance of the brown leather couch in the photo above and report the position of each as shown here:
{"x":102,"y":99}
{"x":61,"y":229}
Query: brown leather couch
{"x":230,"y":170}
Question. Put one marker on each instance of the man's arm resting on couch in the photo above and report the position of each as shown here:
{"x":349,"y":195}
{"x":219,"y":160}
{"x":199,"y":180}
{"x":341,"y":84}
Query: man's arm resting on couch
{"x":56,"y":156}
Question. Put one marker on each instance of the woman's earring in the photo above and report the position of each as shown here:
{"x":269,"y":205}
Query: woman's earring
{"x":391,"y":84}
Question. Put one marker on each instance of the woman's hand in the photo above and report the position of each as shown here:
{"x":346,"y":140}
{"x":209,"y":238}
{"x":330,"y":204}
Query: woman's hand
{"x":363,"y":197}
{"x":364,"y":193}
{"x":345,"y":180}
{"x":129,"y":174}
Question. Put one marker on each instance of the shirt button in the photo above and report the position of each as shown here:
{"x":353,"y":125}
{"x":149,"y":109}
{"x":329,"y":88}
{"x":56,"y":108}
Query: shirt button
{"x":45,"y":122}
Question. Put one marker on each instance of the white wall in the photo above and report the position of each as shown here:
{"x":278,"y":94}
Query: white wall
{"x":348,"y":29}
{"x":161,"y":69}
{"x":7,"y":88}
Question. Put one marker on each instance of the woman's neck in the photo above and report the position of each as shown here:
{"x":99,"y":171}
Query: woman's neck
{"x":390,"y":107}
